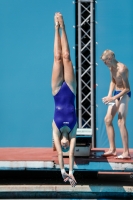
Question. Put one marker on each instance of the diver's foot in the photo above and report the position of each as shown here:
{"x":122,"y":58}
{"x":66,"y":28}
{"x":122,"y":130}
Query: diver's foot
{"x":110,"y":153}
{"x":61,"y":21}
{"x":123,"y":156}
{"x":56,"y":20}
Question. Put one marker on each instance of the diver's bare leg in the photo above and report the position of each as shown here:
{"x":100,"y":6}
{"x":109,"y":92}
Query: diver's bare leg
{"x":57,"y":74}
{"x":69,"y":76}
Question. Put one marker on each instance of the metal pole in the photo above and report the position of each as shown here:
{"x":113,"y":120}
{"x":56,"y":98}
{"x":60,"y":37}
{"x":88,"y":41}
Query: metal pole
{"x":79,"y":65}
{"x":92,"y":73}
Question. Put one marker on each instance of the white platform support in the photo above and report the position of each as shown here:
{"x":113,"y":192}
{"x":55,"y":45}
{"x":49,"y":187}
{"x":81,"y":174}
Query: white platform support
{"x":84,"y":131}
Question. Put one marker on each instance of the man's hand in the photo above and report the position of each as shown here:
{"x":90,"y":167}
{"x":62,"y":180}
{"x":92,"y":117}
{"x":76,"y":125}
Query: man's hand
{"x":107,"y":99}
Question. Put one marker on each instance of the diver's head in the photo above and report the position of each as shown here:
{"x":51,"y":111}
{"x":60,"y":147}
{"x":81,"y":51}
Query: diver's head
{"x":65,"y":144}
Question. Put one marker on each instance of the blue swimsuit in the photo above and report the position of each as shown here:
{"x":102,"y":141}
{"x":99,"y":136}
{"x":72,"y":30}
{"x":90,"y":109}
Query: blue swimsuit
{"x":65,"y":114}
{"x":118,"y":91}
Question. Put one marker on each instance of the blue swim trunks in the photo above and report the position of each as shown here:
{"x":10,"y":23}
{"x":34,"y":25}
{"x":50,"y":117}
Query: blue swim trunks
{"x":118,"y":91}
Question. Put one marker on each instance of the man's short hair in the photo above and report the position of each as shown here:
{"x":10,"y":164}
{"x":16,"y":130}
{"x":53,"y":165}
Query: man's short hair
{"x":108,"y":52}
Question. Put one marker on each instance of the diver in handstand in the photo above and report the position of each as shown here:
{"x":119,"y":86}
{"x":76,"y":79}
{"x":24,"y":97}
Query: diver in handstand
{"x":64,"y":91}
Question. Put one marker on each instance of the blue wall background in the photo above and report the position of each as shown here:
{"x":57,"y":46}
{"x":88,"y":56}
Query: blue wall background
{"x":114,"y":30}
{"x":26,"y":59}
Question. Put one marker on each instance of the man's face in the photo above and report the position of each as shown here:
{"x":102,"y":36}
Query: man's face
{"x":107,"y":59}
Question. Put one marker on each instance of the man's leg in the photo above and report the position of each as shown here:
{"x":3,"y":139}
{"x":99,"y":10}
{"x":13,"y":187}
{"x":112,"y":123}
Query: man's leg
{"x":122,"y":112}
{"x":69,"y":76}
{"x":57,"y":74}
{"x":110,"y":129}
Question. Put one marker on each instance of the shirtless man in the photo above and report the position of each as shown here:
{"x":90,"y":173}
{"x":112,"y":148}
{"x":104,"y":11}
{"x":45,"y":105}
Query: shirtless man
{"x":117,"y":103}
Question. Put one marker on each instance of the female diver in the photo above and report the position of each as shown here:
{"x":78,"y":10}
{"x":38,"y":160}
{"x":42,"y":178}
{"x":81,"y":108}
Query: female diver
{"x":64,"y":90}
